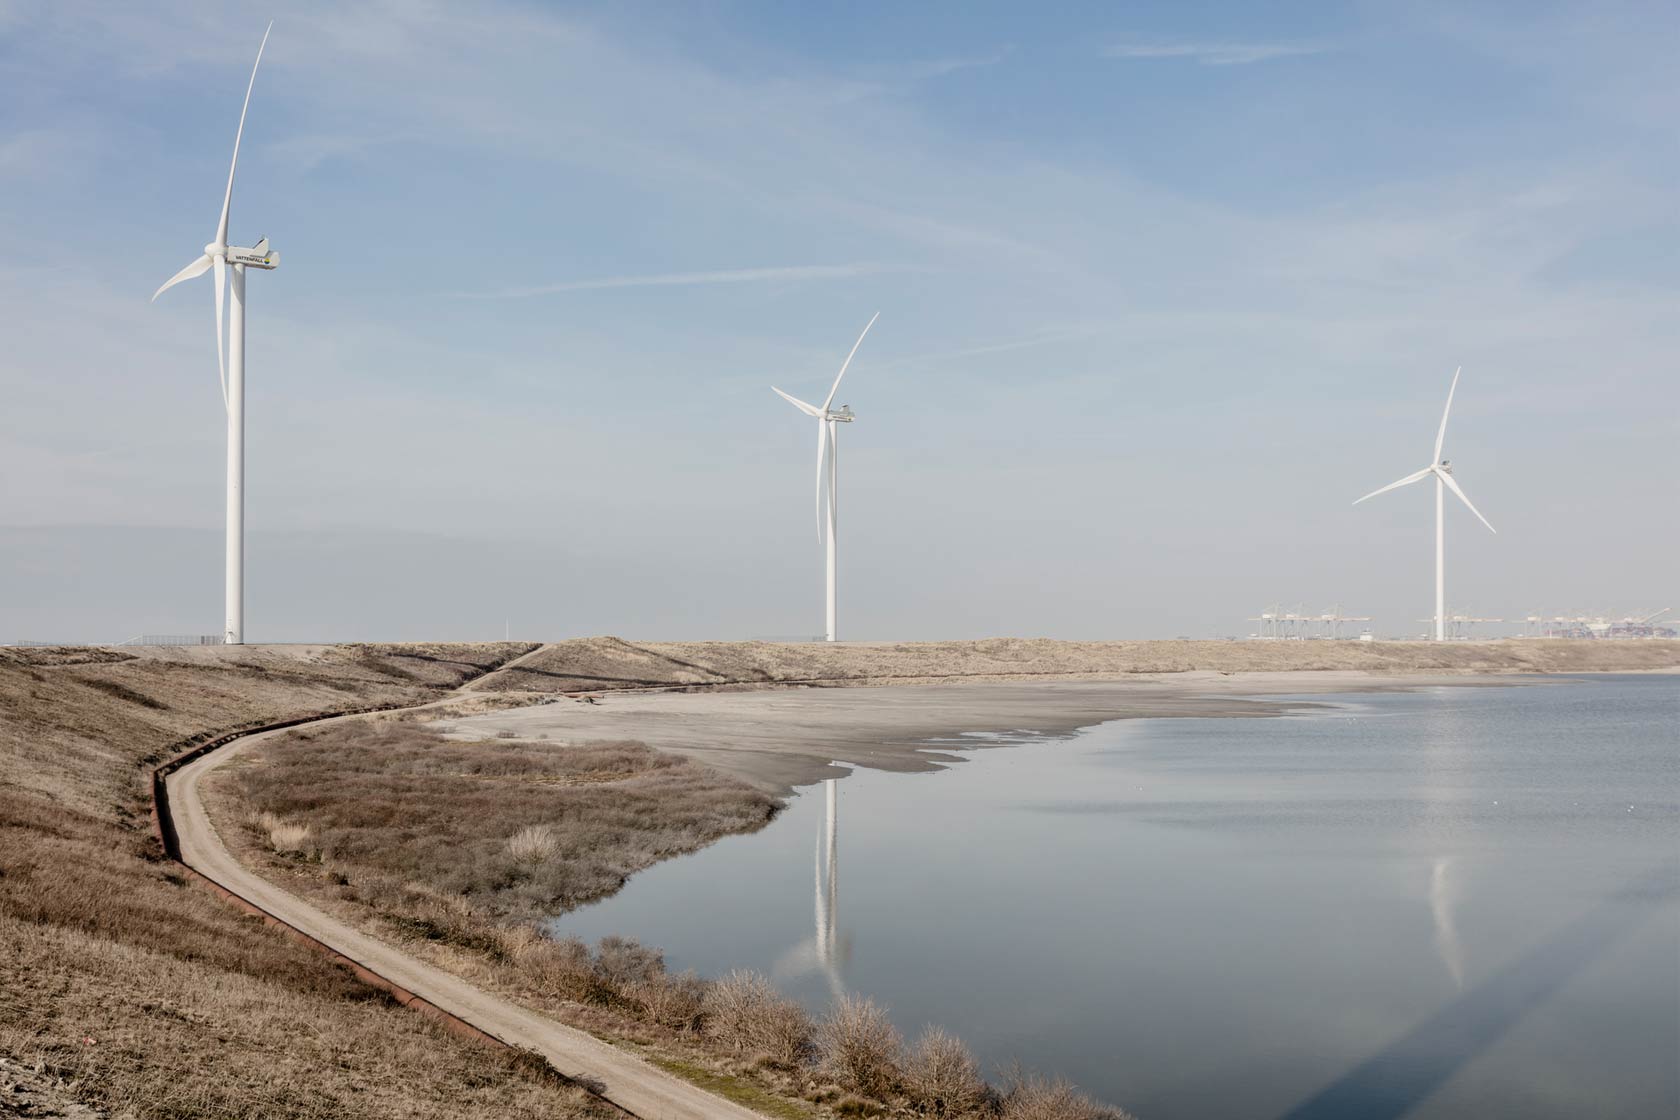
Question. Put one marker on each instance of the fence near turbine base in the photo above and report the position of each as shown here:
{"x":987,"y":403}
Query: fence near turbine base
{"x":176,"y":640}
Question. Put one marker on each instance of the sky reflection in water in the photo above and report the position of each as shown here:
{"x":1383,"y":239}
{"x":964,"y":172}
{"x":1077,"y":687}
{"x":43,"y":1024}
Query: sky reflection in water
{"x":1453,"y":903}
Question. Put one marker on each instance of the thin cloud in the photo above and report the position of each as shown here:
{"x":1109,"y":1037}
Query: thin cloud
{"x":1216,"y":54}
{"x":686,"y":279}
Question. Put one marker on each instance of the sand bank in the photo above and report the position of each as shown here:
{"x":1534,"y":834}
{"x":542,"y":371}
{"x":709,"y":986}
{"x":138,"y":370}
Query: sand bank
{"x":780,"y":738}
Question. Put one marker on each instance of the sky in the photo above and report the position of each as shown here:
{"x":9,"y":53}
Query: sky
{"x":1162,"y":289}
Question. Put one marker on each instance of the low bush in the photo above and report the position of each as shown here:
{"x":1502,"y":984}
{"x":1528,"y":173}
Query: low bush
{"x":677,"y":1002}
{"x":860,"y":1047}
{"x":1035,"y":1098}
{"x":941,"y":1077}
{"x":746,"y":1013}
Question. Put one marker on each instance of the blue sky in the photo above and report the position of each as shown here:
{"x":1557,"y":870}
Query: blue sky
{"x":1163,"y":288}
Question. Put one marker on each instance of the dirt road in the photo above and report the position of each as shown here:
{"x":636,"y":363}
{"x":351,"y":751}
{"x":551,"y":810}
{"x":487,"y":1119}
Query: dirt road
{"x":623,"y":1079}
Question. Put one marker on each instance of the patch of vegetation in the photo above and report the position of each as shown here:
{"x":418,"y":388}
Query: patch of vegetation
{"x":522,"y":829}
{"x":738,"y":1089}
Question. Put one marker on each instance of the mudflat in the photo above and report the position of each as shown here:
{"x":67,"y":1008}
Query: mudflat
{"x":784,"y":737}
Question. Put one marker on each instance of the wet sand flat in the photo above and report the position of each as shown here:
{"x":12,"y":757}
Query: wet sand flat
{"x":780,"y":738}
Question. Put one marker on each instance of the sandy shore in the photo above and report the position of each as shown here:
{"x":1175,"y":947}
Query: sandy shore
{"x":780,"y":738}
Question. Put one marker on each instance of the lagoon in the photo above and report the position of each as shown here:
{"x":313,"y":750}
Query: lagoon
{"x":1449,"y":902}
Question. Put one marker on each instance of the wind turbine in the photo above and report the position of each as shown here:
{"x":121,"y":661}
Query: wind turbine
{"x":828,"y":454}
{"x":230,"y":364}
{"x":1441,"y":469}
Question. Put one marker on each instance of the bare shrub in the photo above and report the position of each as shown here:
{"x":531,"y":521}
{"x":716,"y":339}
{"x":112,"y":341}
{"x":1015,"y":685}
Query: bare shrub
{"x":623,"y":962}
{"x":563,"y":968}
{"x":861,"y":1049}
{"x":941,"y":1077}
{"x":678,"y":1002}
{"x":507,"y":733}
{"x":1035,"y":1098}
{"x":533,"y":844}
{"x":746,"y":1013}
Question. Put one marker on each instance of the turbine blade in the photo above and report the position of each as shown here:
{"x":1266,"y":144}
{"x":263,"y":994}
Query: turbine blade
{"x":848,"y":361}
{"x":221,"y":347}
{"x":1452,"y":485}
{"x":1407,"y":481}
{"x":807,"y":409}
{"x":227,"y":199}
{"x":1441,"y":436}
{"x":196,"y":268}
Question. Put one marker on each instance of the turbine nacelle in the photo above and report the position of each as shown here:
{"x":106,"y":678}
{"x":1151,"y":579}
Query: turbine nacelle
{"x":843,"y":414}
{"x":258,"y":256}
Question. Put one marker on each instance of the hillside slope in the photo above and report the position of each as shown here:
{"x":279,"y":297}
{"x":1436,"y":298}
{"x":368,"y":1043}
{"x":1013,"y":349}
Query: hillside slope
{"x":145,"y":995}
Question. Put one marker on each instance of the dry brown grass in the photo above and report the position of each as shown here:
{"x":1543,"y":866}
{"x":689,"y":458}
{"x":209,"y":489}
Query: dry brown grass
{"x":519,"y":829}
{"x":534,"y":844}
{"x":145,"y":993}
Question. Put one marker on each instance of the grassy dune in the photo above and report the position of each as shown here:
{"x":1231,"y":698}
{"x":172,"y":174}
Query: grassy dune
{"x":612,"y":663}
{"x":127,"y":988}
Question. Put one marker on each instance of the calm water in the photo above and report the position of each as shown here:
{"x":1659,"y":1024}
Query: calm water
{"x":1463,"y":902}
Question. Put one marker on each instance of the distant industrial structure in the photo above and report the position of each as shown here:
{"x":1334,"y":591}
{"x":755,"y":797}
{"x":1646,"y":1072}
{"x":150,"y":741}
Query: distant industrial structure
{"x":1278,"y":624}
{"x":1602,"y":626}
{"x":140,"y":640}
{"x":1459,"y":626}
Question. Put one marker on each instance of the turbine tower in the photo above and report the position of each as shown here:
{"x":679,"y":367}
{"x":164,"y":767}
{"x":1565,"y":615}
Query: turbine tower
{"x":230,"y":363}
{"x":1442,"y":471}
{"x":828,"y":454}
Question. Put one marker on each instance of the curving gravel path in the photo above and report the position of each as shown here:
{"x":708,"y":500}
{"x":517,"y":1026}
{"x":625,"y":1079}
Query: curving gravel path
{"x":623,"y":1079}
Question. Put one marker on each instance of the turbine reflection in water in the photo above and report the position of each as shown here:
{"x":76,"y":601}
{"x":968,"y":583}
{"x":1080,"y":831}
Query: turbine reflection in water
{"x":1444,"y":762}
{"x":1443,"y":893}
{"x":824,"y":952}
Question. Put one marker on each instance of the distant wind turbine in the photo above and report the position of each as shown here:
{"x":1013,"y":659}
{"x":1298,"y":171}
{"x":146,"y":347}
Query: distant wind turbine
{"x":1441,"y":469}
{"x":230,"y":363}
{"x":828,"y":490}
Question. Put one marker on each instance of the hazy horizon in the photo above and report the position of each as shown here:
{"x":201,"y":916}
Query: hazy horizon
{"x":1162,"y":292}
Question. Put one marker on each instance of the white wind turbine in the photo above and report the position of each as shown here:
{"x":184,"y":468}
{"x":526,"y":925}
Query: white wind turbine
{"x":230,"y":362}
{"x":1441,"y":469}
{"x":828,"y":491}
